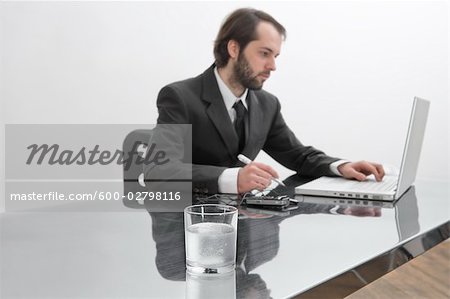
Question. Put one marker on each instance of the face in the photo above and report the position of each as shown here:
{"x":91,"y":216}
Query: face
{"x":253,"y":65}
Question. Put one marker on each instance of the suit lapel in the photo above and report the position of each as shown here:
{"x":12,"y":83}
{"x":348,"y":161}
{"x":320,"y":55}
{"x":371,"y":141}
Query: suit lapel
{"x":217,"y":112}
{"x":255,"y":121}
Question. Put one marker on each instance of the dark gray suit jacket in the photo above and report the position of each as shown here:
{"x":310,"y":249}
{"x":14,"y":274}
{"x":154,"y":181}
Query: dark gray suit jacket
{"x":198,"y":101}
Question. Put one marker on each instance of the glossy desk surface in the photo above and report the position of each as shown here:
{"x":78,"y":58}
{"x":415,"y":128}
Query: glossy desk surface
{"x":317,"y":249}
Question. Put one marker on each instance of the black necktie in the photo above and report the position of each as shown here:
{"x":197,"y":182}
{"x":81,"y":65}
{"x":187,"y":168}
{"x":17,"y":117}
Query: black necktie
{"x":239,"y":123}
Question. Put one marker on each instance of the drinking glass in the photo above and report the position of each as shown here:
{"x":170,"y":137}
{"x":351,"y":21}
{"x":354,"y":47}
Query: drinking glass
{"x":210,"y":238}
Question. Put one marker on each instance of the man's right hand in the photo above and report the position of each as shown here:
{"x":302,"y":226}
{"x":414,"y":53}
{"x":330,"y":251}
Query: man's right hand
{"x":255,"y":176}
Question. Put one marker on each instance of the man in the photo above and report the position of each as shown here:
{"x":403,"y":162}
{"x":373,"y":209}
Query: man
{"x":231,"y":114}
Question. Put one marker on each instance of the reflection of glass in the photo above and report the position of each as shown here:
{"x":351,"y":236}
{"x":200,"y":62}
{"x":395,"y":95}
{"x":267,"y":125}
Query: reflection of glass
{"x":210,"y":286}
{"x":210,"y":234}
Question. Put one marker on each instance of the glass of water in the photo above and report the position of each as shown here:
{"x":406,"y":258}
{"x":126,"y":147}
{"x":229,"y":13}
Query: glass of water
{"x":210,"y":238}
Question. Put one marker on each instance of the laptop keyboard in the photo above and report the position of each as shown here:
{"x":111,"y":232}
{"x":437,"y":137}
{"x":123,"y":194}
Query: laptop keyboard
{"x":387,"y":184}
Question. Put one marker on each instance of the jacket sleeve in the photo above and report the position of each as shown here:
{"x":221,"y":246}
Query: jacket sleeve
{"x":282,"y":145}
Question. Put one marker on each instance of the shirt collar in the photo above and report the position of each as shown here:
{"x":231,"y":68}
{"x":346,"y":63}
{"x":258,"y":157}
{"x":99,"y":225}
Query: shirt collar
{"x":228,"y":97}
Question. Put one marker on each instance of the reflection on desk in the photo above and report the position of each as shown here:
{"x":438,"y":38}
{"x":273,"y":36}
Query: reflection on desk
{"x":310,"y":252}
{"x":258,"y":237}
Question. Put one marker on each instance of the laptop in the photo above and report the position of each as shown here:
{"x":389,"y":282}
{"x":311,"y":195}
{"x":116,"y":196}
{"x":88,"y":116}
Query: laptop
{"x":392,"y":187}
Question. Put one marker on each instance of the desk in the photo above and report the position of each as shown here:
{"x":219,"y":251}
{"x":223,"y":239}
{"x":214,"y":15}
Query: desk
{"x":136,"y":254}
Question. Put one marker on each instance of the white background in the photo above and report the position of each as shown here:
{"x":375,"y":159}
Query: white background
{"x":346,"y":77}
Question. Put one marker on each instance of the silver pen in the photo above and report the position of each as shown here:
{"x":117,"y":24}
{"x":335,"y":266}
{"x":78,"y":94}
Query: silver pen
{"x":247,"y":161}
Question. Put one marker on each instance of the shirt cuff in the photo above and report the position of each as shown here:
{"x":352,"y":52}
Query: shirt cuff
{"x":334,"y":166}
{"x":228,"y":180}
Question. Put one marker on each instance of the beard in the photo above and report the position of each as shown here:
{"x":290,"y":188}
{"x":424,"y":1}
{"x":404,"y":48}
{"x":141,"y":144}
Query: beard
{"x":243,"y":74}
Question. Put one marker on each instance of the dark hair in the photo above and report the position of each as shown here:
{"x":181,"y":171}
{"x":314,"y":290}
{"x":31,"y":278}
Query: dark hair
{"x":241,"y":27}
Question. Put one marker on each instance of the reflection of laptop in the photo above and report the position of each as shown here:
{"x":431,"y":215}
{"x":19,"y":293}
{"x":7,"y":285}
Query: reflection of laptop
{"x":392,"y":187}
{"x":406,"y":210}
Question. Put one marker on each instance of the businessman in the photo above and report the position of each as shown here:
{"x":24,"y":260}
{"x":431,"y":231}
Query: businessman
{"x":231,"y":114}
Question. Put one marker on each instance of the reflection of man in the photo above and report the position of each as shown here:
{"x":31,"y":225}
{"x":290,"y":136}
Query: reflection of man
{"x":231,"y":114}
{"x":257,"y":243}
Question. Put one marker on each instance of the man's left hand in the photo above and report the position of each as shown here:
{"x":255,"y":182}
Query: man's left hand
{"x":359,"y":170}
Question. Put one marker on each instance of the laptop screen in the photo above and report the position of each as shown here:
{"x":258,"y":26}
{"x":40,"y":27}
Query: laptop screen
{"x":413,"y":145}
